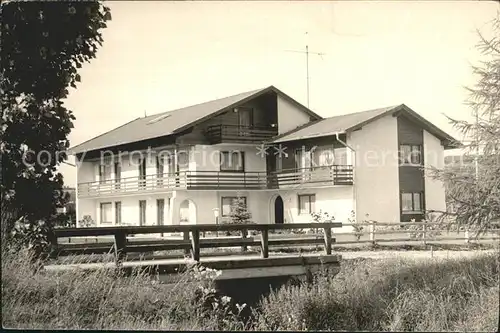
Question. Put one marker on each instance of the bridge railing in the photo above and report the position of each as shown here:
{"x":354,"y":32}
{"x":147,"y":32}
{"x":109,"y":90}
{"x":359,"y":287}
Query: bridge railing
{"x":191,"y":241}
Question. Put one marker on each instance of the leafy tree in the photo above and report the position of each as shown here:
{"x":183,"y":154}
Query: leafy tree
{"x":473,"y":189}
{"x":43,"y":43}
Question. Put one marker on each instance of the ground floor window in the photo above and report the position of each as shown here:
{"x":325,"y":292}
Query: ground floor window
{"x":227,"y":203}
{"x":411,"y":202}
{"x":106,"y":213}
{"x":142,"y":212}
{"x":160,"y":211}
{"x":118,"y":212}
{"x":306,"y":203}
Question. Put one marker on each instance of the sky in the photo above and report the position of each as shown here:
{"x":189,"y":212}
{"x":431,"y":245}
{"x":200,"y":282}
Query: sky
{"x":160,"y":56}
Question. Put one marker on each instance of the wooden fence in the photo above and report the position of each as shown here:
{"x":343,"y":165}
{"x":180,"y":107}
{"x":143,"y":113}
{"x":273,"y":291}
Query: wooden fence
{"x":413,"y":231}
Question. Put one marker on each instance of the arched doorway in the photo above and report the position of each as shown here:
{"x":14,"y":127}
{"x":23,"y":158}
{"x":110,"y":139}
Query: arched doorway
{"x":278,"y":210}
{"x":187,"y":212}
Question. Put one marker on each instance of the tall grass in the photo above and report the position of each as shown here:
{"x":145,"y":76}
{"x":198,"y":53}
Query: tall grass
{"x":395,"y":295}
{"x":370,"y":295}
{"x":104,"y":299}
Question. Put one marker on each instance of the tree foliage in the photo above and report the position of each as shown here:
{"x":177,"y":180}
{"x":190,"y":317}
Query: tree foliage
{"x":43,"y":43}
{"x":473,"y":189}
{"x":239,"y":213}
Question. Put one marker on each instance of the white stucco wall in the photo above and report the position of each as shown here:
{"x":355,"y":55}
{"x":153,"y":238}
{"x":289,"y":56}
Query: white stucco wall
{"x":289,"y":116}
{"x":206,"y":157}
{"x":130,"y":209}
{"x":336,"y":201}
{"x":376,"y":176}
{"x":434,"y":189}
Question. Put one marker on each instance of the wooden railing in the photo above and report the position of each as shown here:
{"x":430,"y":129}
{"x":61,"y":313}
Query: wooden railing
{"x":238,"y":133}
{"x":320,"y":176}
{"x":323,"y":175}
{"x":191,"y":240}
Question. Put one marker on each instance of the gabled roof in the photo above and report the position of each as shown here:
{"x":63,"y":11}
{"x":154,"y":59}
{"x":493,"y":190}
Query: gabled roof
{"x":172,"y":122}
{"x":353,"y":121}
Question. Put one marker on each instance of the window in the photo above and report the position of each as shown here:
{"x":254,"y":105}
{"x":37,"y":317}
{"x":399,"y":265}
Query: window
{"x":118,"y":175}
{"x":227,"y":202}
{"x":142,"y":212}
{"x":118,"y":212}
{"x":106,"y":213}
{"x":104,"y":173}
{"x":303,"y":159}
{"x":340,"y":156}
{"x":159,"y":170}
{"x":142,"y":169}
{"x":279,"y":162}
{"x":232,"y":161}
{"x":411,"y":154}
{"x":322,"y":157}
{"x":306,"y":203}
{"x":411,"y":202}
{"x":160,"y":211}
{"x":245,"y":116}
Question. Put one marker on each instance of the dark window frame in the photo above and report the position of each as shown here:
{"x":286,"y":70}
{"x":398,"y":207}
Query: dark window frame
{"x":232,"y":198}
{"x":411,"y":159}
{"x":102,"y":172}
{"x":158,"y":216}
{"x":142,"y":215}
{"x":311,"y":203}
{"x":101,"y":211}
{"x":234,"y":152}
{"x":413,"y":201}
{"x":118,"y":212}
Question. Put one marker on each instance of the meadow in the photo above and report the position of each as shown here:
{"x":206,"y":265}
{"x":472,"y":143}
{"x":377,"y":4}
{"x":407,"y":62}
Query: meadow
{"x":368,"y":294}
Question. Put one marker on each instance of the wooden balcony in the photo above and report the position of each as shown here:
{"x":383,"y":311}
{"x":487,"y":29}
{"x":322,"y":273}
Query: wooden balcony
{"x":217,"y":180}
{"x":312,"y":177}
{"x":237,"y":133}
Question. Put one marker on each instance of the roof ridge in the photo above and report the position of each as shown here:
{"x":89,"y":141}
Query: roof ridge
{"x":371,"y":110}
{"x":209,"y":101}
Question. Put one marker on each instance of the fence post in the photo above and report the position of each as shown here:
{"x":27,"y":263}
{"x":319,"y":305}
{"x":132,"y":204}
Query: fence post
{"x":265,"y":243}
{"x":120,"y":246}
{"x":467,"y":239}
{"x":372,"y":232}
{"x":53,"y":244}
{"x":424,"y":233}
{"x":328,"y":240}
{"x":185,"y":236}
{"x":244,"y":236}
{"x":195,"y":245}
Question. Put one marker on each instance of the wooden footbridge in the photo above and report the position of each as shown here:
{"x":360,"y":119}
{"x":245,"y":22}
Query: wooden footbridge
{"x":124,"y":241}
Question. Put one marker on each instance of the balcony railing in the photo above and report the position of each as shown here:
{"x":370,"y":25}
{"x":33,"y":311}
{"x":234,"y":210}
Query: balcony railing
{"x":220,"y":180}
{"x":238,"y":133}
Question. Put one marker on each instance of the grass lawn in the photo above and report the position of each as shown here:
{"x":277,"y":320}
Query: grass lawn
{"x":373,"y":295}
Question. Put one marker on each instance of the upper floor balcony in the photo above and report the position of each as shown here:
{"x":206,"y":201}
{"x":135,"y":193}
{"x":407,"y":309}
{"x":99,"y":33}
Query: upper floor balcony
{"x":220,"y":180}
{"x":239,"y":133}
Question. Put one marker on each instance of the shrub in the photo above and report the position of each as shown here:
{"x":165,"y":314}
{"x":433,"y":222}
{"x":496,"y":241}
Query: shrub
{"x":86,"y":222}
{"x":358,"y":229}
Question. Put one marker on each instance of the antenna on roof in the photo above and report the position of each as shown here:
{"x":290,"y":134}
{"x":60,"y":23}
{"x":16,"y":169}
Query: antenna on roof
{"x":307,"y":65}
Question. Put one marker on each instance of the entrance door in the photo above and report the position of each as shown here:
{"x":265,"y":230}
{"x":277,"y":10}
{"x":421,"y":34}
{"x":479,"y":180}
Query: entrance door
{"x":245,"y":120}
{"x":278,"y":210}
{"x":142,"y":173}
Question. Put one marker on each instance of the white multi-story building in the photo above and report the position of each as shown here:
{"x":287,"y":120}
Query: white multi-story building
{"x":188,"y":165}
